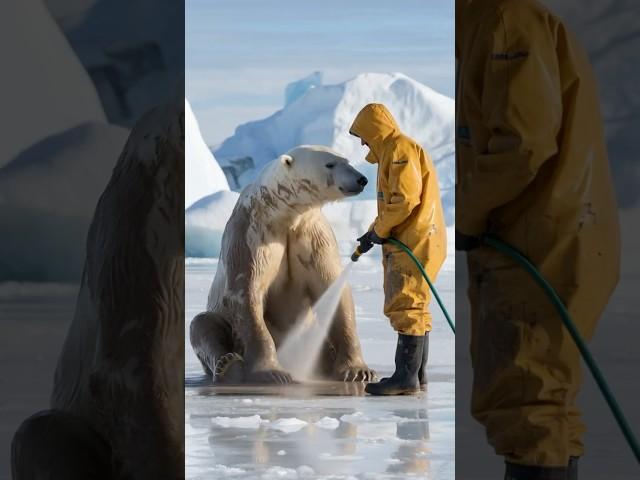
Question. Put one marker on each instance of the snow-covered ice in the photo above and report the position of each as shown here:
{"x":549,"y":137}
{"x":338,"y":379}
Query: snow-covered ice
{"x":327,"y":430}
{"x":202,"y":174}
{"x":253,"y":421}
{"x":329,"y":423}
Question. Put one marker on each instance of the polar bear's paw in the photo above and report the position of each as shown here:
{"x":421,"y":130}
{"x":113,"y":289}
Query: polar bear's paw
{"x":229,"y":368}
{"x":358,"y":373}
{"x":273,"y":376}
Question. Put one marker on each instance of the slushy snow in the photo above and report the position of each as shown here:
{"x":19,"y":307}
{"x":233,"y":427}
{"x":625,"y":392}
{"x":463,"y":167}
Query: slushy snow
{"x":46,"y":88}
{"x":203,"y":175}
{"x":323,"y":114}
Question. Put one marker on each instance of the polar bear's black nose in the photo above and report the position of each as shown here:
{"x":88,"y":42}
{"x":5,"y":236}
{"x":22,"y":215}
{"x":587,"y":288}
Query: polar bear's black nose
{"x":362,"y":181}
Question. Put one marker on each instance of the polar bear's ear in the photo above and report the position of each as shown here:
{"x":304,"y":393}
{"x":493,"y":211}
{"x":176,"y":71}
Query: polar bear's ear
{"x":286,"y":159}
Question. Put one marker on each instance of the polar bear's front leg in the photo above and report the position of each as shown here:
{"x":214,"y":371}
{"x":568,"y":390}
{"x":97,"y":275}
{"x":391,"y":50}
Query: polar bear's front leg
{"x":260,"y":357}
{"x":349,"y":364}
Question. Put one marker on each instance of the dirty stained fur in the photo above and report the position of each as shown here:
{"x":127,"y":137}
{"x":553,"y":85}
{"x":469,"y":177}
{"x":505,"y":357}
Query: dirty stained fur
{"x":278,"y":255}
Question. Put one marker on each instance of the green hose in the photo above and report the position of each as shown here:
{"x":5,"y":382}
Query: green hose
{"x":575,"y":334}
{"x":408,"y":251}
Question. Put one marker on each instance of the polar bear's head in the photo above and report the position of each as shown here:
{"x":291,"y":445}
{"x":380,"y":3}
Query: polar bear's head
{"x":317,"y":174}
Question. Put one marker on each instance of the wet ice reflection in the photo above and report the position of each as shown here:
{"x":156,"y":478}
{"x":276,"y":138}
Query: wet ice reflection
{"x":318,"y":436}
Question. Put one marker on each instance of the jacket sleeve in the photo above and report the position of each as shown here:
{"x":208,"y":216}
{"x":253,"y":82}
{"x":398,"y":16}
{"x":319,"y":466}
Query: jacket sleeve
{"x":405,"y":187}
{"x":520,"y":104}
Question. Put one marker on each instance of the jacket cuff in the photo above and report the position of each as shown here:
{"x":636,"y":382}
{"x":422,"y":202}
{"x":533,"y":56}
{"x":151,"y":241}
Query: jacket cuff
{"x":382,"y":233}
{"x":471,"y":227}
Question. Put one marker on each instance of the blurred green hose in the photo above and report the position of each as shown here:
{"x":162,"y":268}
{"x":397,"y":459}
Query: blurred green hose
{"x":575,"y":334}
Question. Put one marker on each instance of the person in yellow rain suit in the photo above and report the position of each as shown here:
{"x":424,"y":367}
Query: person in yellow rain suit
{"x":410,"y":210}
{"x":532,"y":170}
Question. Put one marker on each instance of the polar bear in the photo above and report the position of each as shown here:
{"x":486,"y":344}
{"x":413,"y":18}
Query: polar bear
{"x":278,"y":255}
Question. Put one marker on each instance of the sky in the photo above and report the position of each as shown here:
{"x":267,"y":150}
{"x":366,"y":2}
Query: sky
{"x":241,"y":54}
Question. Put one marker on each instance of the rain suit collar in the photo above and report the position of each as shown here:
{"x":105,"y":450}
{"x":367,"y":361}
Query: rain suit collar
{"x":374,"y":124}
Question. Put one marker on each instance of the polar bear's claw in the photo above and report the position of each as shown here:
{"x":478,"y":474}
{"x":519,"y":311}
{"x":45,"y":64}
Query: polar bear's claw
{"x":226,"y":368}
{"x":358,"y":374}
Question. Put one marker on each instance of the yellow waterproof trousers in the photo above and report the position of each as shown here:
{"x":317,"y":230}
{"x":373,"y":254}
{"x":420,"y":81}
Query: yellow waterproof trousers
{"x":527,"y":369}
{"x":406,"y":293}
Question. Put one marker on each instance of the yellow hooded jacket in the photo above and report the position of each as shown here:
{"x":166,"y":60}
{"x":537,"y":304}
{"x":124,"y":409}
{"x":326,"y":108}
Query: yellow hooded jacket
{"x":532,"y":169}
{"x":409,"y":209}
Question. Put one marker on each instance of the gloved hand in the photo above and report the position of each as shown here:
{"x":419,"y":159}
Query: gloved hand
{"x":466,"y":243}
{"x":368,"y":240}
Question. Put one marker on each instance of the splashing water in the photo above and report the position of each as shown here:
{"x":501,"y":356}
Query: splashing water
{"x":301,"y":348}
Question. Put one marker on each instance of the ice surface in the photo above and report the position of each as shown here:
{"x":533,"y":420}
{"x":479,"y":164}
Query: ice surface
{"x":203,"y":175}
{"x":324,"y":114}
{"x":339,"y":433}
{"x":46,"y":89}
{"x":48,"y":195}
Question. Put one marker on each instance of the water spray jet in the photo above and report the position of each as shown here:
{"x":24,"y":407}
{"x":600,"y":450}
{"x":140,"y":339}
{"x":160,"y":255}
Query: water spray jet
{"x":301,"y":349}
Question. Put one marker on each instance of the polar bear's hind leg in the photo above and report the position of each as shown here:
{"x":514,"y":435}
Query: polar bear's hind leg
{"x":212,"y":340}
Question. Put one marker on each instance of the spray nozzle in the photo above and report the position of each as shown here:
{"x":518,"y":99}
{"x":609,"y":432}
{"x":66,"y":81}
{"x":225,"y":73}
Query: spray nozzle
{"x":364,"y":247}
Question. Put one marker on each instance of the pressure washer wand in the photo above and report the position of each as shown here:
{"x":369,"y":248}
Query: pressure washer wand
{"x":361,"y":249}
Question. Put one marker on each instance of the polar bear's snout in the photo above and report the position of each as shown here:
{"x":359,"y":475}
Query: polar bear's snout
{"x":349,"y":180}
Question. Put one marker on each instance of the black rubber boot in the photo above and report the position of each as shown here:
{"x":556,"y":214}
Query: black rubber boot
{"x":573,"y":468}
{"x":422,"y":373}
{"x":404,"y":380}
{"x":530,"y":472}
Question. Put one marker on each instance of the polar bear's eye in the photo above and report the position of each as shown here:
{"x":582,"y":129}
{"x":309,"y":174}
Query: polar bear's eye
{"x":330,"y":165}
